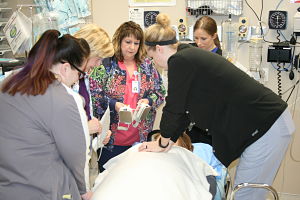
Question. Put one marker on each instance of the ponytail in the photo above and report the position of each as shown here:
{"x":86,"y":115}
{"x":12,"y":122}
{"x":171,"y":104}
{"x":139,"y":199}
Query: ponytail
{"x":217,"y":42}
{"x":35,"y":77}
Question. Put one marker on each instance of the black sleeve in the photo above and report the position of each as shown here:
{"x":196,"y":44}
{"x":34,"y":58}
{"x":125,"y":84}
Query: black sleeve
{"x":174,"y":118}
{"x":199,"y":135}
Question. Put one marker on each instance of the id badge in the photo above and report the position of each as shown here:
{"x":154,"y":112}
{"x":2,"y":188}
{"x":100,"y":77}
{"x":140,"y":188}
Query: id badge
{"x":135,"y":87}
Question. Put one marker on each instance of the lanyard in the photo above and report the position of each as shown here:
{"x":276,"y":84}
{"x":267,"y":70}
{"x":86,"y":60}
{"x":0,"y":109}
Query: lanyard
{"x":215,"y":50}
{"x":136,"y":84}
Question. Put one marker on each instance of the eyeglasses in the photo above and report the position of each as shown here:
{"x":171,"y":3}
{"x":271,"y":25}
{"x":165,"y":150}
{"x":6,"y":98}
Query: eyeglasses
{"x":81,"y":73}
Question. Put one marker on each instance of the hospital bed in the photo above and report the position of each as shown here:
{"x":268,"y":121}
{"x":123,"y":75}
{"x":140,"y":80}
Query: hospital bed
{"x":133,"y":175}
{"x":177,"y":175}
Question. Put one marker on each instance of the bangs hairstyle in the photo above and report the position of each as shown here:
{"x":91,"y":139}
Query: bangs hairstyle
{"x":161,"y":31}
{"x":128,"y":29}
{"x":98,"y":40}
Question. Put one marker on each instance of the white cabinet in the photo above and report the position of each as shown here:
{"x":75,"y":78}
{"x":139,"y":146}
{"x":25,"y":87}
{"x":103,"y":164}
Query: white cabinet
{"x":5,"y":13}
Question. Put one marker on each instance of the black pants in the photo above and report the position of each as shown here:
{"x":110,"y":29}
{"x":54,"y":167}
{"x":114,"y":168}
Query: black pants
{"x":108,"y":154}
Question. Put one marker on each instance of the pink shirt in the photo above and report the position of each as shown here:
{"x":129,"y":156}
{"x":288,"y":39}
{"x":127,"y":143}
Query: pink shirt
{"x":127,"y":138}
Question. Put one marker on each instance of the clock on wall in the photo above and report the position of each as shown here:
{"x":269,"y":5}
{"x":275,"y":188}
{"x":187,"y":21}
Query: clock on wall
{"x":150,"y":18}
{"x":277,"y":19}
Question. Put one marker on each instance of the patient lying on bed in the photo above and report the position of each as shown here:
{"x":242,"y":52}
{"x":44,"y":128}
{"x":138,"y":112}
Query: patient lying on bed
{"x":175,"y":175}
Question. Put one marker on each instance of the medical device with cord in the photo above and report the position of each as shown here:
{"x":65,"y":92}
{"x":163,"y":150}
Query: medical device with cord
{"x":125,"y":116}
{"x":140,"y":113}
{"x":129,"y":116}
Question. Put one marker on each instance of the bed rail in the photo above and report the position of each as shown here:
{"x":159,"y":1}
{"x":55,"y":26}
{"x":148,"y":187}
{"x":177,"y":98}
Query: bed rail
{"x":254,"y":185}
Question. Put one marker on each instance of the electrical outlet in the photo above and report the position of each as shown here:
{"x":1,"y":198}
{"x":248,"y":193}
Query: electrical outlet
{"x":256,"y":31}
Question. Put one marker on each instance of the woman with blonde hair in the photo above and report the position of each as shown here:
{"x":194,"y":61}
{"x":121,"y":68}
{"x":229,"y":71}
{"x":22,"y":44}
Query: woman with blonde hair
{"x":99,"y":42}
{"x":245,"y":119}
{"x":101,"y":47}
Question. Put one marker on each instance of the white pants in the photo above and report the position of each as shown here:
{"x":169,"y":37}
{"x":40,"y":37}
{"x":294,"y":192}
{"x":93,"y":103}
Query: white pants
{"x":260,"y":162}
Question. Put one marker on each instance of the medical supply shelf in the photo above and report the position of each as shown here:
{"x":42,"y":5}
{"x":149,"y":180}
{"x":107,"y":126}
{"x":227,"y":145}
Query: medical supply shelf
{"x":214,"y":7}
{"x":5,"y":13}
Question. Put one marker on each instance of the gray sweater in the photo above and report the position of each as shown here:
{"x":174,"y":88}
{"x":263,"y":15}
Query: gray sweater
{"x":44,"y":144}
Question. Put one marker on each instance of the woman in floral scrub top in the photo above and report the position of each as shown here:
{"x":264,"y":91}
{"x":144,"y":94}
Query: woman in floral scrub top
{"x":127,"y":78}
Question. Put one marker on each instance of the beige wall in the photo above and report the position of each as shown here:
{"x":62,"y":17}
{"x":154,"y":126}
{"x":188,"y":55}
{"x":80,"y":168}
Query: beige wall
{"x":110,"y":14}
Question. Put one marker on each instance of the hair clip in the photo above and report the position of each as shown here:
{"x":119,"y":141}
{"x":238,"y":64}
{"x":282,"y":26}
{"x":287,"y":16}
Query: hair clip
{"x":60,"y":35}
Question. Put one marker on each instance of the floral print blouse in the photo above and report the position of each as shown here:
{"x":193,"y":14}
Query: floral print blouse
{"x":107,"y":86}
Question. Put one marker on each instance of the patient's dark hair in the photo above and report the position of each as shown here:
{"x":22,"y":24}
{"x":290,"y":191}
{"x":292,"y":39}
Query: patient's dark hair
{"x":183,"y":141}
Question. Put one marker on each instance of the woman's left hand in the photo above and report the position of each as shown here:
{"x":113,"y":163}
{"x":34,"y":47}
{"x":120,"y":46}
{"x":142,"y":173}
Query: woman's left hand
{"x":94,"y":126}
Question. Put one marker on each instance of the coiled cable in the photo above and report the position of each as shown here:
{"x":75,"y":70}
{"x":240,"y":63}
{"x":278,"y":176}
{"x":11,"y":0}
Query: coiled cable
{"x":278,"y":36}
{"x":279,"y":80}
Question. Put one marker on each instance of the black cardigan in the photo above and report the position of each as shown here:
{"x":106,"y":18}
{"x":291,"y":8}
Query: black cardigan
{"x":196,"y":134}
{"x":208,"y":90}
